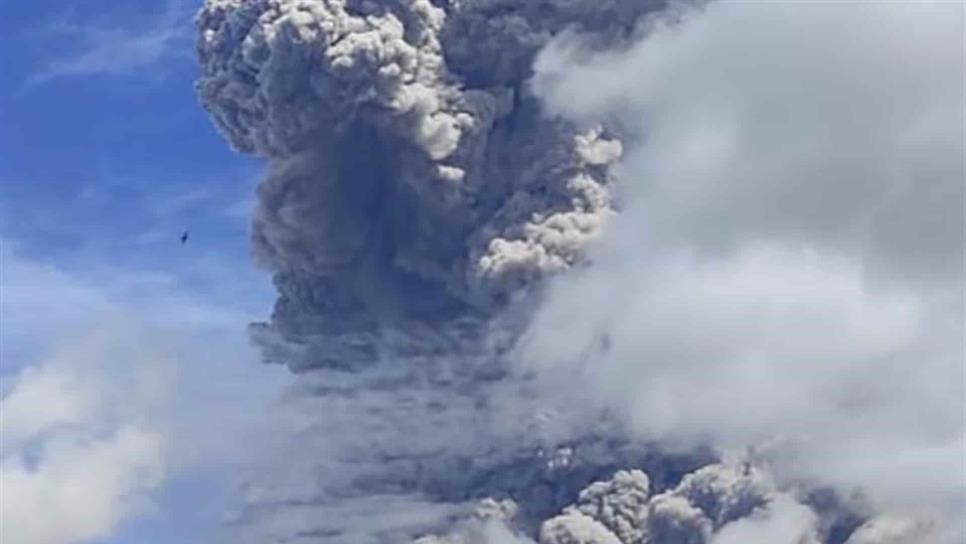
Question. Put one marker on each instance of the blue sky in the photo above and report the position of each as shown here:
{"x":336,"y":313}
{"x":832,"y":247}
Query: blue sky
{"x":105,"y":158}
{"x":110,"y":163}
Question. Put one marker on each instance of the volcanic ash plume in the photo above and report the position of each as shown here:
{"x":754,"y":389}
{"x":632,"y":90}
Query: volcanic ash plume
{"x":414,"y":190}
{"x":417,"y":197}
{"x":402,"y":187}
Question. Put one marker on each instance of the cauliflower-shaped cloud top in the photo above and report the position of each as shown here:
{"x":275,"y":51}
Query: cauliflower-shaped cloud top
{"x":411,"y":174}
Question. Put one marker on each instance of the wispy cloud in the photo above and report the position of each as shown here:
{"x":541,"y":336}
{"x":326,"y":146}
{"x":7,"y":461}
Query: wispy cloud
{"x":167,"y":205}
{"x":241,"y":209}
{"x":41,"y":301}
{"x":115,"y":49}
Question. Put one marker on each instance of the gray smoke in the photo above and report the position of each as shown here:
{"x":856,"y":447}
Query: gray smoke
{"x":414,"y":191}
{"x":436,"y":188}
{"x":717,"y":504}
{"x":418,"y":197}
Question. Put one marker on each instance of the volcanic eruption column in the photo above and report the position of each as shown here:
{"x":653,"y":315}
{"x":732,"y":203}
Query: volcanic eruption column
{"x":415,"y":192}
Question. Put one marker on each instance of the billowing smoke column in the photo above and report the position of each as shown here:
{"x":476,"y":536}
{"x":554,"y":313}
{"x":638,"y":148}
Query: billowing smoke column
{"x":411,"y":178}
{"x":416,"y":191}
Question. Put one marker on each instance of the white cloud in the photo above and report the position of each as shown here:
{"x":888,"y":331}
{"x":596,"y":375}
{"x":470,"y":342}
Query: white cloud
{"x":788,"y":266}
{"x":82,"y":448}
{"x":168,"y":205}
{"x":40,"y":301}
{"x":838,"y":125}
{"x":113,"y":381}
{"x":36,"y":300}
{"x":784,"y":521}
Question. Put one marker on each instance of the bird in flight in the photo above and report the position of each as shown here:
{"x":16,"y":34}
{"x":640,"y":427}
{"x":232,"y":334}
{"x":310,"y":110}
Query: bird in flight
{"x":184,"y":237}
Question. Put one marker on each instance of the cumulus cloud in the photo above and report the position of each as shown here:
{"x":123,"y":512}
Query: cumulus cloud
{"x":895,"y":530}
{"x":111,"y":389}
{"x":730,"y":226}
{"x":81,"y":442}
{"x":784,"y":521}
{"x":788,"y":265}
{"x":837,"y":127}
